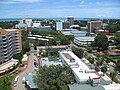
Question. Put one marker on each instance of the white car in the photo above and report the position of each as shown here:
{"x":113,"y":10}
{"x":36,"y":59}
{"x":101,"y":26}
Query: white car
{"x":23,"y":80}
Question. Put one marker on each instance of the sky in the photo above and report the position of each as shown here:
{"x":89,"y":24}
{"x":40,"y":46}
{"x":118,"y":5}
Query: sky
{"x":59,"y":8}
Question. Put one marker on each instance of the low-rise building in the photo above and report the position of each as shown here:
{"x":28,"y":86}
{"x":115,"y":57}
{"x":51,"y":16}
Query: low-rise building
{"x":83,"y":41}
{"x":80,"y":70}
{"x":29,"y":82}
{"x":47,"y":62}
{"x":113,"y":51}
{"x":105,"y":32}
{"x":45,"y":28}
{"x":74,"y":32}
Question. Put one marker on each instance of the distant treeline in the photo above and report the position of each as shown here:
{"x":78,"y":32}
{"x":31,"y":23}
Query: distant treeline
{"x":8,"y":24}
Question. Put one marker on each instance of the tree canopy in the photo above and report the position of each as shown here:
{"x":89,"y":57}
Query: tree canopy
{"x":101,"y":41}
{"x":79,"y":52}
{"x":54,"y":77}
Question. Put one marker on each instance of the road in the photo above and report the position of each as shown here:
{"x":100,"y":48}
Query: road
{"x":29,"y":69}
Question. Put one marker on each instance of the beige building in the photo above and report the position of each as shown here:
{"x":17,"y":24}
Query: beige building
{"x":93,"y":26}
{"x":10,"y":43}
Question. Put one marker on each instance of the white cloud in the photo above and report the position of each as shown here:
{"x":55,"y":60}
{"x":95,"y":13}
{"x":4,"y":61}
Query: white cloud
{"x":82,"y":2}
{"x":17,"y":1}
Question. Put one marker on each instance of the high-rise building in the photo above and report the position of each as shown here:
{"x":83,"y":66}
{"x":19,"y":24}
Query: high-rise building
{"x":10,"y":43}
{"x":71,"y":20}
{"x":93,"y":26}
{"x":62,"y":25}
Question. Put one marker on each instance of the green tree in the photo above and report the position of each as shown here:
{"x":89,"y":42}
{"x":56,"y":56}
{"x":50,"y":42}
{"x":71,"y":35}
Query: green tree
{"x":113,"y":75}
{"x":112,"y":27}
{"x":18,"y":56}
{"x":1,"y":82}
{"x":104,"y":69}
{"x":91,"y":60}
{"x":6,"y":82}
{"x":101,"y":41}
{"x":54,"y":77}
{"x":25,"y":42}
{"x":79,"y":52}
{"x":99,"y":62}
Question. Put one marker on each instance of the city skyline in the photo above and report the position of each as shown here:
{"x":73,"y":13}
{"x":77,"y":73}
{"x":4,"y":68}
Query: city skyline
{"x":59,"y":9}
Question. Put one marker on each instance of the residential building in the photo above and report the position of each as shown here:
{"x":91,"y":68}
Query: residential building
{"x":71,"y":20}
{"x":10,"y":43}
{"x":94,"y":26}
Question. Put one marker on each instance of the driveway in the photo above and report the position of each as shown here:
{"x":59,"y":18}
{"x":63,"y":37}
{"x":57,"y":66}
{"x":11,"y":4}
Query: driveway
{"x":29,"y":69}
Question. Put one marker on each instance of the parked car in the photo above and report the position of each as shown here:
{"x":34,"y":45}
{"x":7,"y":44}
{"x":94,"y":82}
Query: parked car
{"x":23,"y":80}
{"x":15,"y":83}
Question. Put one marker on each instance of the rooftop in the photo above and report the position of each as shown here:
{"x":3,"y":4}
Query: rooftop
{"x":79,"y":68}
{"x":30,"y":80}
{"x":84,"y":87}
{"x":6,"y":31}
{"x":45,"y":61}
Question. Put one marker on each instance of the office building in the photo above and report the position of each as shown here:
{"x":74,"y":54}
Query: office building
{"x":62,"y":25}
{"x":83,"y":41}
{"x":71,"y":20}
{"x":93,"y":26}
{"x":10,"y":43}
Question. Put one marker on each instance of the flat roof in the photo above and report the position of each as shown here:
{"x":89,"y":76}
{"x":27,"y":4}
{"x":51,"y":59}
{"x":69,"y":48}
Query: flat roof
{"x":79,"y":68}
{"x":30,"y":80}
{"x":45,"y":61}
{"x":84,"y":87}
{"x":112,"y":87}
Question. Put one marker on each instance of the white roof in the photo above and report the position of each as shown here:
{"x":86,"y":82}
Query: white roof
{"x":112,"y":87}
{"x":82,"y":67}
{"x":45,"y":61}
{"x":38,"y":38}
